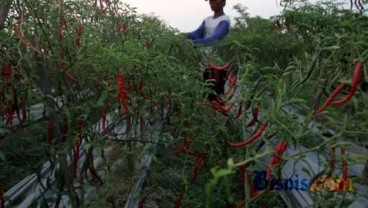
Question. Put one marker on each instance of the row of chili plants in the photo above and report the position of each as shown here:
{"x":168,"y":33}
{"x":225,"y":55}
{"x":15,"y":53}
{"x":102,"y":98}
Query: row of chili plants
{"x":312,"y":80}
{"x":124,"y":60}
{"x":132,"y":62}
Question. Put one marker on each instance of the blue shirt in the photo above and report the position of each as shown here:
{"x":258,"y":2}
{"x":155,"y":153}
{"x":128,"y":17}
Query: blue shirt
{"x":211,"y":29}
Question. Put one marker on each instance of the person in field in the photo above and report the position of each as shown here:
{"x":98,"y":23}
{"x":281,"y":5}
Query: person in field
{"x":212,"y":29}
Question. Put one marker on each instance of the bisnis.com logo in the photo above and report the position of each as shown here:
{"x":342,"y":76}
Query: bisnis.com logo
{"x":299,"y":184}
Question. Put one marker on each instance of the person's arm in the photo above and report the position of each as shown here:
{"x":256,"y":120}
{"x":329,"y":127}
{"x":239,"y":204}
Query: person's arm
{"x":221,"y":30}
{"x":198,"y":33}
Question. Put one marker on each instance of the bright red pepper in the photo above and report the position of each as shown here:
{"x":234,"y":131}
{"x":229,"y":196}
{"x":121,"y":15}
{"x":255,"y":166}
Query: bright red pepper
{"x":355,"y":84}
{"x":252,"y":138}
{"x":330,"y":98}
{"x":76,"y":152}
{"x":332,"y":162}
{"x":2,"y":200}
{"x":10,"y":115}
{"x":197,"y":167}
{"x":122,"y":92}
{"x":232,"y":79}
{"x":58,"y":200}
{"x":218,"y":106}
{"x":255,"y":117}
{"x":169,"y":98}
{"x":178,"y":201}
{"x":239,"y":113}
{"x":344,"y":165}
{"x":79,"y":34}
{"x":70,"y":77}
{"x":280,"y":149}
{"x":218,"y":68}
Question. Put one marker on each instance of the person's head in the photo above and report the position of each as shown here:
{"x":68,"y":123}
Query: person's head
{"x":217,"y":5}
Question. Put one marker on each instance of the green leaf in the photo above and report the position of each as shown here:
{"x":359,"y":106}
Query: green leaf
{"x":223,"y":172}
{"x":102,"y":99}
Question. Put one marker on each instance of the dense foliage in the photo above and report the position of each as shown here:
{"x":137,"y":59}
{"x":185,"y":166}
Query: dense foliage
{"x":102,"y":58}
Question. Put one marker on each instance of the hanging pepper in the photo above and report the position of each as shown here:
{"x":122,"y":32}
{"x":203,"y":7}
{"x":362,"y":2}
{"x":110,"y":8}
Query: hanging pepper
{"x":218,"y":68}
{"x":232,"y":79}
{"x":332,"y":162}
{"x":2,"y":200}
{"x":58,"y":200}
{"x":280,"y":149}
{"x":255,"y":117}
{"x":330,"y":98}
{"x":79,"y":34}
{"x":219,"y":107}
{"x":91,"y":168}
{"x":355,"y":84}
{"x":240,"y":111}
{"x":122,"y":92}
{"x":9,"y":114}
{"x":197,"y":167}
{"x":252,"y":138}
{"x":178,"y":201}
{"x":344,"y":165}
{"x":76,"y":152}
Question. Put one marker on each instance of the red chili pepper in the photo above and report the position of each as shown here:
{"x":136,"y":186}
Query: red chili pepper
{"x":218,"y":106}
{"x":122,"y":92}
{"x":243,"y":168}
{"x":355,"y":84}
{"x":197,"y":167}
{"x":280,"y":149}
{"x":178,"y":201}
{"x":330,"y":98}
{"x":91,"y":168}
{"x":2,"y":200}
{"x":58,"y":200}
{"x":218,"y":68}
{"x":232,"y":79}
{"x":20,"y":37}
{"x":240,"y":111}
{"x":247,"y":104}
{"x":255,"y":117}
{"x":140,"y":91}
{"x":70,"y":77}
{"x":10,"y":116}
{"x":76,"y":152}
{"x":242,"y":203}
{"x":169,"y":98}
{"x":6,"y":72}
{"x":332,"y":162}
{"x":141,"y":202}
{"x":344,"y":165}
{"x":252,"y":138}
{"x":79,"y":34}
{"x":59,"y":32}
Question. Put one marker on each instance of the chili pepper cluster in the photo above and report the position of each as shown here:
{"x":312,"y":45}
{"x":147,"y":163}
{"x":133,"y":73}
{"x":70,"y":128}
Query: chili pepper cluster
{"x":183,"y":149}
{"x":354,"y":86}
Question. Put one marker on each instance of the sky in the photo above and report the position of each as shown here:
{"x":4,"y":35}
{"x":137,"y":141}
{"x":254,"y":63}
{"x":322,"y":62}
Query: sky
{"x":187,"y":15}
